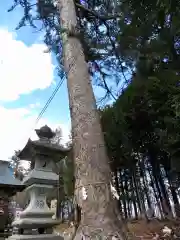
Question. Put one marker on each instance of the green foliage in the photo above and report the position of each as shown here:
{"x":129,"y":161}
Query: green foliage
{"x":16,"y":164}
{"x":144,"y":115}
{"x":57,"y":139}
{"x":118,"y":36}
{"x":15,"y":161}
{"x":64,"y":168}
{"x":142,"y":127}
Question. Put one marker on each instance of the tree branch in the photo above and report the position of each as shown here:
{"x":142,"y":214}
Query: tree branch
{"x":115,"y":50}
{"x":96,"y":15}
{"x":104,"y":19}
{"x":104,"y":81}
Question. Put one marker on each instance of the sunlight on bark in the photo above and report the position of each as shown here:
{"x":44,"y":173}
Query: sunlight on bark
{"x":84,"y":193}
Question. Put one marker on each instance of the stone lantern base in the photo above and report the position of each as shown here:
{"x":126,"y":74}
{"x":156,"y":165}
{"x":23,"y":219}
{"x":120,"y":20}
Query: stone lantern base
{"x":38,"y":237}
{"x":35,"y":222}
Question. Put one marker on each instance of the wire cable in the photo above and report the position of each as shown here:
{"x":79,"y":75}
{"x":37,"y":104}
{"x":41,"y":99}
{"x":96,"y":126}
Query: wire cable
{"x":47,"y":104}
{"x":53,"y":95}
{"x":49,"y":100}
{"x":54,"y":92}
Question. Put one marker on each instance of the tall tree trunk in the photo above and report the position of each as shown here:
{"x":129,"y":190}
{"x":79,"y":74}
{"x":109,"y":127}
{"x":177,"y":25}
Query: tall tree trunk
{"x":173,"y":192}
{"x":138,"y":194}
{"x":146,"y":193}
{"x":156,"y":172}
{"x":116,"y":178}
{"x":133,"y":198}
{"x":155,"y":192}
{"x":92,"y":171}
{"x":164,"y":191}
{"x":123,"y":195}
{"x":126,"y":195}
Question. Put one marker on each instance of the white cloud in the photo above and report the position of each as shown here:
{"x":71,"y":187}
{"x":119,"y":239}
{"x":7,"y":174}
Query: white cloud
{"x":35,"y":105}
{"x":22,"y":68}
{"x":16,"y":126}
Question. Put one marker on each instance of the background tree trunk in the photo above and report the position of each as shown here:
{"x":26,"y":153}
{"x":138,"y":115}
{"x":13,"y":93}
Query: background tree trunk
{"x":92,"y":171}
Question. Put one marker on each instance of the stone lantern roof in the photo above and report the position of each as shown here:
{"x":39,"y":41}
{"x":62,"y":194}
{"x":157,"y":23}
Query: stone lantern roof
{"x":45,"y":132}
{"x":43,"y":146}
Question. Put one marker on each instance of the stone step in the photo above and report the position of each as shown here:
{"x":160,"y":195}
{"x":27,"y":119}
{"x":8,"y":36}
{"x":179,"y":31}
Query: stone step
{"x":36,"y":214}
{"x":38,"y":237}
{"x":35,"y":223}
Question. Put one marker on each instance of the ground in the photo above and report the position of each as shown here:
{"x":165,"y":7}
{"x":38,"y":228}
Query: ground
{"x":142,"y":230}
{"x":153,"y":229}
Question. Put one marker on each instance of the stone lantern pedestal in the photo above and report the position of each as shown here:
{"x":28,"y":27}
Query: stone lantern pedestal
{"x":36,"y":220}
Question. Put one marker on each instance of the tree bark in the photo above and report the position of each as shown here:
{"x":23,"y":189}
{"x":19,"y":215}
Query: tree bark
{"x":92,"y":170}
{"x":155,"y":190}
{"x":123,"y":194}
{"x":146,"y":193}
{"x":173,"y":192}
{"x":134,"y":198}
{"x":116,"y":178}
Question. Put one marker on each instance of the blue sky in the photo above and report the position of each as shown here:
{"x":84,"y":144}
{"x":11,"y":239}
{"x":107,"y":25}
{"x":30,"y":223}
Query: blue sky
{"x":27,"y":81}
{"x":59,"y":106}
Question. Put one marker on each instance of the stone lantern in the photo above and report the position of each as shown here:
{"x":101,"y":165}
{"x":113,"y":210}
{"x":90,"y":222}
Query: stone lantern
{"x":40,"y":181}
